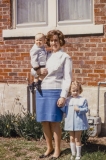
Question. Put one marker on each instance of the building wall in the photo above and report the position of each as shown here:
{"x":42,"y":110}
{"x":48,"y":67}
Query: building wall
{"x":88,"y":53}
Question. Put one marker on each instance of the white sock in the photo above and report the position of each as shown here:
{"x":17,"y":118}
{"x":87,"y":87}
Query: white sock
{"x":73,"y":148}
{"x":78,"y":148}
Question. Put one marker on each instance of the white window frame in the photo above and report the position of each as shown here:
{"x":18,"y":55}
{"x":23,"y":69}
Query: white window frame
{"x":52,"y":23}
{"x":25,"y":25}
{"x":77,"y":22}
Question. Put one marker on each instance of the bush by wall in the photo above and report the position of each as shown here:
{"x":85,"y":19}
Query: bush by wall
{"x":26,"y":126}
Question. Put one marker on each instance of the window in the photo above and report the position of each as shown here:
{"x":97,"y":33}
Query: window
{"x":31,"y":12}
{"x":75,"y":11}
{"x":35,"y":12}
{"x":70,"y":16}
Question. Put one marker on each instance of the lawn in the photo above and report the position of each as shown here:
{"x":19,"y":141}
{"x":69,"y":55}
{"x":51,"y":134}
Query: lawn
{"x":22,"y":149}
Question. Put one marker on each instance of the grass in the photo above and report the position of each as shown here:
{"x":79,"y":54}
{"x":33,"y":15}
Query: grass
{"x":22,"y":149}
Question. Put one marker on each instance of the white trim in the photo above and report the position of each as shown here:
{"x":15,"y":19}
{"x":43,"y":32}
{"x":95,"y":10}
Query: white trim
{"x":26,"y":25}
{"x":69,"y":30}
{"x":73,"y":22}
{"x":52,"y":13}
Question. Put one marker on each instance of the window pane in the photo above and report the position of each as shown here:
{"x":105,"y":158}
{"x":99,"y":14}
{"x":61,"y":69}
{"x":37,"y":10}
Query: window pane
{"x":30,"y":11}
{"x":74,"y":10}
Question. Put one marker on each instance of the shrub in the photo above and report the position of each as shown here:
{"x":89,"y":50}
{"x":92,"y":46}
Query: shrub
{"x":12,"y":125}
{"x":7,"y":128}
{"x":27,"y":127}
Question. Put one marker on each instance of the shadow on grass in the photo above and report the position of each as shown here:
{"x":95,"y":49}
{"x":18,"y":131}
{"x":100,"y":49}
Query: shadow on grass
{"x":89,"y":148}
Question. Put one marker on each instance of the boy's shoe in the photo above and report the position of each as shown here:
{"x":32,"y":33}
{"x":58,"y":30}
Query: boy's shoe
{"x":72,"y":157}
{"x":77,"y":158}
{"x":38,"y":85}
{"x":32,"y":87}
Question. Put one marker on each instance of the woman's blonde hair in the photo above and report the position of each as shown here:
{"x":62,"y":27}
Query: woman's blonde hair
{"x":75,"y":84}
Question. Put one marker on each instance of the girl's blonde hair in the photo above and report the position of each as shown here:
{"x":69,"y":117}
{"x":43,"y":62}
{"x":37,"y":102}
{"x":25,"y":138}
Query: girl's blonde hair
{"x":75,"y":84}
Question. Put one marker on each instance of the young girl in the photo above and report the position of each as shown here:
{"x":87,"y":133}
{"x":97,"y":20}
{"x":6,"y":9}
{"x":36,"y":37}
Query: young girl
{"x":76,"y":120}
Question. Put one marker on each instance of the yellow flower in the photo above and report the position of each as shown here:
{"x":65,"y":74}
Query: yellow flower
{"x":32,"y":117}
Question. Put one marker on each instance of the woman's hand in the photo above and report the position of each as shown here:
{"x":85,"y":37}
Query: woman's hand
{"x":42,"y":71}
{"x":61,"y":102}
{"x":76,"y":108}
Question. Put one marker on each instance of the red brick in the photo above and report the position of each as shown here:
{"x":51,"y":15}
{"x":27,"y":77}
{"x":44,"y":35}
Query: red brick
{"x":102,"y":1}
{"x":95,"y":40}
{"x":1,"y":79}
{"x":90,"y":53}
{"x":6,"y":62}
{"x":74,"y":58}
{"x":10,"y":50}
{"x":92,"y":83}
{"x":104,"y":58}
{"x":78,"y":53}
{"x":7,"y":70}
{"x":24,"y":54}
{"x":12,"y":66}
{"x":1,"y":58}
{"x":20,"y":58}
{"x":77,"y":70}
{"x":99,"y":71}
{"x":85,"y":49}
{"x":5,"y":1}
{"x":93,"y":75}
{"x":17,"y":70}
{"x":102,"y":75}
{"x":90,"y":45}
{"x":87,"y":70}
{"x":1,"y":43}
{"x":96,"y":49}
{"x":2,"y":50}
{"x":100,"y":13}
{"x":99,"y":5}
{"x":99,"y":62}
{"x":103,"y":18}
{"x":3,"y":66}
{"x":4,"y":74}
{"x":26,"y":70}
{"x":2,"y":5}
{"x":89,"y":62}
{"x":104,"y":49}
{"x":101,"y":53}
{"x":20,"y":50}
{"x":102,"y":45}
{"x":22,"y":74}
{"x":87,"y":79}
{"x":96,"y":10}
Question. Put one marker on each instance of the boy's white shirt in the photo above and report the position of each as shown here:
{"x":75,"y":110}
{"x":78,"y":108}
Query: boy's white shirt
{"x":35,"y":50}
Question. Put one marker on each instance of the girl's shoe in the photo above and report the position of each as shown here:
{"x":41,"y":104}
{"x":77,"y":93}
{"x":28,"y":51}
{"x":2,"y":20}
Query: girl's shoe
{"x":77,"y":158}
{"x":72,"y":157}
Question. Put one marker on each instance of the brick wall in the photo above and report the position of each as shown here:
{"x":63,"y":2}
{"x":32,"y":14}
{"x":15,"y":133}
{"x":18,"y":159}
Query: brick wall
{"x":88,"y":52}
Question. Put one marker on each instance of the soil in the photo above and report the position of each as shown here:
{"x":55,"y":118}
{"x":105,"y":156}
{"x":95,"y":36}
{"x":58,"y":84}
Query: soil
{"x":97,"y":140}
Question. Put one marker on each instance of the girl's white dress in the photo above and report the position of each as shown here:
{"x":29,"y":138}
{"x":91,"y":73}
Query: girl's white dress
{"x":75,"y":121}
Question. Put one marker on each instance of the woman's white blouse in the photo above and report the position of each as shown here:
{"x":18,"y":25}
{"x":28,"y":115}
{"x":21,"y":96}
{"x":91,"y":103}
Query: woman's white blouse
{"x":59,"y":67}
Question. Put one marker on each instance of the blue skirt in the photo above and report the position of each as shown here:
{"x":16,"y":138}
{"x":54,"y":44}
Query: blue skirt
{"x":46,"y":106}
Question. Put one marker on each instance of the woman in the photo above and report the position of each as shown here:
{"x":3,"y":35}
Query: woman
{"x":55,"y":87}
